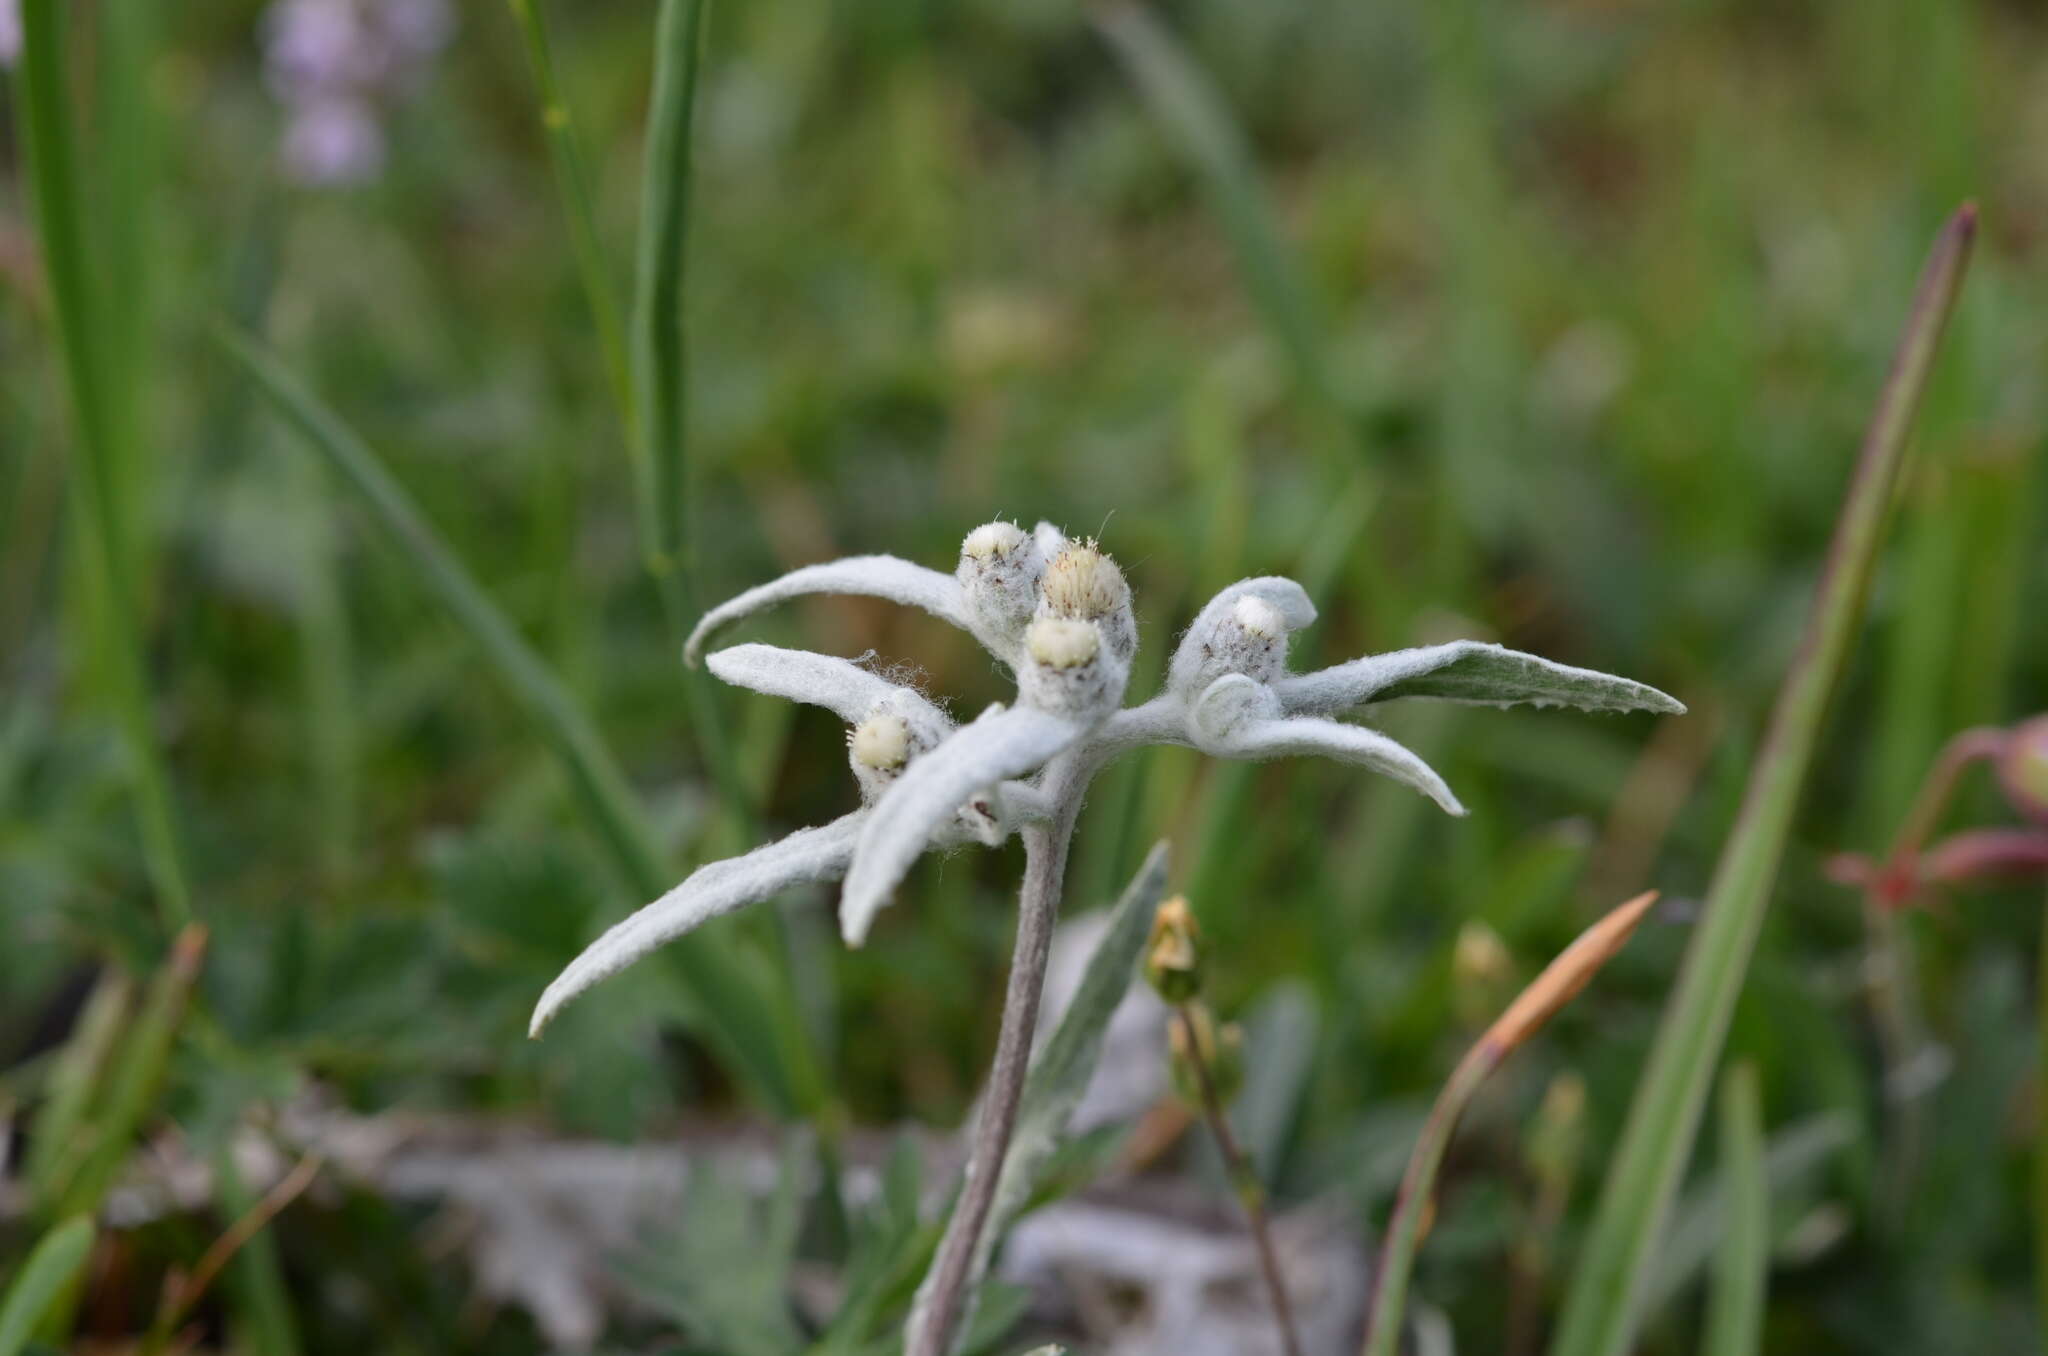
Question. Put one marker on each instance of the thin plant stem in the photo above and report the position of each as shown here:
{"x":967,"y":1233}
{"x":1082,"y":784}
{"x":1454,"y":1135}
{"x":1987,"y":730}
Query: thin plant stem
{"x":1244,"y":1180}
{"x":572,"y":180}
{"x":1038,"y":907}
{"x":184,"y":1292}
{"x":2040,"y":1183}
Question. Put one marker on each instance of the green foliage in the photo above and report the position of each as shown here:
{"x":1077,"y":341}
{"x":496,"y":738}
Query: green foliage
{"x":40,"y":1284}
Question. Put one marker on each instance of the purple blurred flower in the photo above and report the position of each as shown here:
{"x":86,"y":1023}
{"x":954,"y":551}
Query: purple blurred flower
{"x":10,"y":31}
{"x":332,"y":63}
{"x":333,"y":141}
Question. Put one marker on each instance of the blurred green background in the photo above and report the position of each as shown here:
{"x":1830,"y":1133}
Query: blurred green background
{"x":1566,"y":340}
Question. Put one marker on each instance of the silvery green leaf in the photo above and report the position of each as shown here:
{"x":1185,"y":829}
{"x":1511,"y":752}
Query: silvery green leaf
{"x":804,"y":857}
{"x":1060,"y":1073}
{"x":889,"y":577}
{"x":1469,"y":671}
{"x":1238,"y":718}
{"x":839,"y":685}
{"x":1197,"y":644}
{"x":999,"y":745}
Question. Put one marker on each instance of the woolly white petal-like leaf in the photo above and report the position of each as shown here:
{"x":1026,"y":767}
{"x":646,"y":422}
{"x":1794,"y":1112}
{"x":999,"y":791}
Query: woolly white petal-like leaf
{"x":870,"y":576}
{"x":1288,"y":597}
{"x":999,"y":745}
{"x":804,"y":857}
{"x":1238,"y":718}
{"x":1468,"y":671}
{"x":1051,"y":541}
{"x":839,"y":685}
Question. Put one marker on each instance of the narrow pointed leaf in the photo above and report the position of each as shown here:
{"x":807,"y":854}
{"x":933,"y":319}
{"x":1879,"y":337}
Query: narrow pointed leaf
{"x":1467,"y":671}
{"x":1603,"y":1307}
{"x":1006,"y":744}
{"x":42,"y":1281}
{"x":890,"y":577}
{"x":838,"y":685}
{"x":805,"y":857}
{"x":1735,"y":1310}
{"x":1309,"y":737}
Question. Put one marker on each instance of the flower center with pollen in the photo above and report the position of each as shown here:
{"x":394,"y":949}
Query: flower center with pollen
{"x":992,"y":539}
{"x":1083,"y":582}
{"x":880,"y":742}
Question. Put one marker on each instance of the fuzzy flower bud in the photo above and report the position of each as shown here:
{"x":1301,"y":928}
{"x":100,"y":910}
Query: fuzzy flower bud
{"x":1243,"y":630}
{"x":1173,"y":953}
{"x":1070,"y":671}
{"x":999,"y":573}
{"x":1221,"y":1051}
{"x":2023,"y":769}
{"x":1083,"y":584}
{"x":895,"y":730}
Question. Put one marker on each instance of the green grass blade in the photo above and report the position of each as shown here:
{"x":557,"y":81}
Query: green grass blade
{"x":263,"y":1306}
{"x":94,"y":360}
{"x":1735,"y":1312}
{"x":135,"y":1081}
{"x":1601,"y":1310}
{"x":659,"y":376}
{"x":73,"y":1081}
{"x":1194,"y":117}
{"x":43,"y":1281}
{"x":736,"y":1003}
{"x":572,"y":181}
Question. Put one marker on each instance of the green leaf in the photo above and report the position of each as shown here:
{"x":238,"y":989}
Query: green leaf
{"x":1603,"y":1307}
{"x":42,"y":1281}
{"x":1735,"y":1311}
{"x":735,"y":1000}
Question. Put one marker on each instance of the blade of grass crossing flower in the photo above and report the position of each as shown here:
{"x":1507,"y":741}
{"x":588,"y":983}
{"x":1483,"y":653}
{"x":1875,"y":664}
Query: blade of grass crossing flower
{"x":1559,"y":983}
{"x":1735,"y":1311}
{"x":93,"y":368}
{"x":659,"y":375}
{"x":736,"y":1006}
{"x":572,"y":181}
{"x":1194,"y":117}
{"x":43,"y":1281}
{"x":1601,"y":1309}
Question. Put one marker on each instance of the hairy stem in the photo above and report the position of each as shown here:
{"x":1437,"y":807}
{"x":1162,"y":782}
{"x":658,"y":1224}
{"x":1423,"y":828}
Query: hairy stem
{"x":1250,"y":1193}
{"x":1038,"y":907}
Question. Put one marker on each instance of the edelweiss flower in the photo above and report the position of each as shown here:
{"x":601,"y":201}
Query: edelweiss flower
{"x":1058,"y":614}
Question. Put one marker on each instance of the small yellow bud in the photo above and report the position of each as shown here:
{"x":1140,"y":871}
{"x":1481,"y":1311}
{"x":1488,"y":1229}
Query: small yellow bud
{"x":1083,"y":582}
{"x":880,"y":742}
{"x":1061,"y":644}
{"x":1173,"y":953}
{"x":1481,"y":973}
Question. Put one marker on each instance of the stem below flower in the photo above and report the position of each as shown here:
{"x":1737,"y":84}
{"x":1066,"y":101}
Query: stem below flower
{"x":1038,"y":907}
{"x":1244,"y":1180}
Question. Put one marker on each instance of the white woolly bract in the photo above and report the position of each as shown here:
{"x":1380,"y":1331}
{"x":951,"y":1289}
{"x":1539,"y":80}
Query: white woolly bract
{"x":1469,"y":671}
{"x":804,"y":857}
{"x":1238,"y":718}
{"x":838,"y":685}
{"x":869,"y":576}
{"x":1051,"y":541}
{"x":1006,"y":743}
{"x":1218,"y":642}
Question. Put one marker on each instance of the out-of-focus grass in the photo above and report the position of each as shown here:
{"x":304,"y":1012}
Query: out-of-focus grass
{"x":1604,"y":286}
